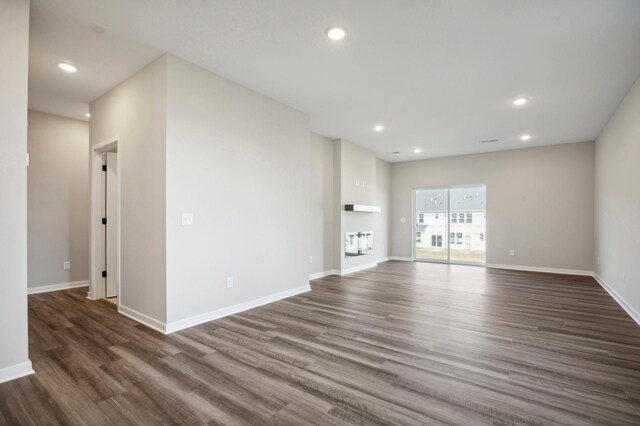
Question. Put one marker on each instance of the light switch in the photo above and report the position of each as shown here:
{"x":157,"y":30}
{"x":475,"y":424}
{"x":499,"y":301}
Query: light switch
{"x":403,"y":220}
{"x":187,"y":219}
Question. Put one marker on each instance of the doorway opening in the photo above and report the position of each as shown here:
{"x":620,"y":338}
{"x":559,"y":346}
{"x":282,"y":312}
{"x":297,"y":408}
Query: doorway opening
{"x":105,"y":228}
{"x":450,"y":224}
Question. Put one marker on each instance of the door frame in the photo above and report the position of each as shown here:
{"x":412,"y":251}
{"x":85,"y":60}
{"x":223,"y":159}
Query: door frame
{"x":97,"y":285}
{"x":447,"y":235}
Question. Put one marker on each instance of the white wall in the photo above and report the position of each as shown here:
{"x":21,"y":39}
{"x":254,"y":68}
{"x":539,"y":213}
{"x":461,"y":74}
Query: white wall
{"x":135,"y":112}
{"x":618,"y":202}
{"x":321,"y":215}
{"x":58,"y":199}
{"x":382,"y":223}
{"x":14,"y":48}
{"x":539,"y":202}
{"x":359,"y":178}
{"x":355,"y":172}
{"x":239,"y":162}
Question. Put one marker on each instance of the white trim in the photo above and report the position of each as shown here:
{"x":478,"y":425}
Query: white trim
{"x":635,"y":315}
{"x":383,"y":259}
{"x":357,"y":268}
{"x":56,"y":287}
{"x":400,"y":258}
{"x":15,"y":371}
{"x":89,"y":294}
{"x":323,"y":274}
{"x":143,"y":319}
{"x":538,"y":269}
{"x":230,"y":310}
{"x":97,"y":283}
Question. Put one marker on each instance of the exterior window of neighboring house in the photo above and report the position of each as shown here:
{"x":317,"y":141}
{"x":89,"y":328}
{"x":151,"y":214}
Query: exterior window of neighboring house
{"x":481,"y":236}
{"x":459,"y":241}
{"x":434,"y":241}
{"x":454,"y":217}
{"x":421,"y":218}
{"x":453,"y":238}
{"x":419,"y":237}
{"x":437,"y":215}
{"x":469,"y":217}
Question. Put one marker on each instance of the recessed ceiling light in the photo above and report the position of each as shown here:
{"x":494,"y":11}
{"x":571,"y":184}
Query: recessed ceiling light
{"x":520,"y":101}
{"x":87,"y":114}
{"x":378,"y":127}
{"x":417,"y":150}
{"x":525,"y":137}
{"x":336,"y":33}
{"x":64,"y":66}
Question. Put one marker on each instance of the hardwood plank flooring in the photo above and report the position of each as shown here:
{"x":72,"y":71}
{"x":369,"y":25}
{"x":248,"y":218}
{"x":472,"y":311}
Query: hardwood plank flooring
{"x":403,"y":343}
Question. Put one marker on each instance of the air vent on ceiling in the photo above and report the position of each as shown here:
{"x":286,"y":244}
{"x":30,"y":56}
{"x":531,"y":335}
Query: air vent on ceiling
{"x":489,"y":140}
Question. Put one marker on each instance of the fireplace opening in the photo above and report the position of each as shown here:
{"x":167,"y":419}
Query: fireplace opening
{"x":358,"y":243}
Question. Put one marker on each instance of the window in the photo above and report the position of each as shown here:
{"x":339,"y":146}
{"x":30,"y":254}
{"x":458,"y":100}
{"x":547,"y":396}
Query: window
{"x":450,"y":220}
{"x":419,"y":237}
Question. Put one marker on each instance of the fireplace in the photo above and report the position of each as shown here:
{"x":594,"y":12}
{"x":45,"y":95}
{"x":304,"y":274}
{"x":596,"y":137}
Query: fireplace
{"x":358,"y":243}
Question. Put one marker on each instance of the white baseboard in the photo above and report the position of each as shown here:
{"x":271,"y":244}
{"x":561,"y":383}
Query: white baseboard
{"x":57,"y":287}
{"x":323,"y":274}
{"x":219,"y":313}
{"x":16,"y":371}
{"x":357,"y":268}
{"x":403,"y":259}
{"x":346,"y":271}
{"x":538,"y":269}
{"x":635,"y":315}
{"x":143,"y":319}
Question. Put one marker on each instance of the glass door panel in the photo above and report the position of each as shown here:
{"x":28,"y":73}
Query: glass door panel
{"x":467,"y":224}
{"x":431,"y":242}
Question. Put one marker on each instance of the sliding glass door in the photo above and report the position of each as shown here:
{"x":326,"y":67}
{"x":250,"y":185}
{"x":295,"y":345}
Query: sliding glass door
{"x":450,"y":224}
{"x":431,"y":224}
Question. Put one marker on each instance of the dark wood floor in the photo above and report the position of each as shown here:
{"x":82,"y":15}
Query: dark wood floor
{"x":403,"y":343}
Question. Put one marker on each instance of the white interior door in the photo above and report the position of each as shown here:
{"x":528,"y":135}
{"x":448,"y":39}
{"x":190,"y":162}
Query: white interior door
{"x":111,"y":213}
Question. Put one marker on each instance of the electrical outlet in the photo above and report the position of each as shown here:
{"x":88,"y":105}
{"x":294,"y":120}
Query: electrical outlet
{"x":67,"y":265}
{"x":624,"y":278}
{"x":187,"y":219}
{"x":512,"y":252}
{"x":229,"y":282}
{"x":310,"y":259}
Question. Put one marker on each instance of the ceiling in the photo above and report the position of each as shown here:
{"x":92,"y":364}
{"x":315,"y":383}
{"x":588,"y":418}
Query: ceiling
{"x":440,"y":75}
